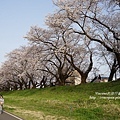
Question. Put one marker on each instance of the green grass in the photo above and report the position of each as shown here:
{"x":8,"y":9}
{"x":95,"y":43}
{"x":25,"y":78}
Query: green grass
{"x":66,"y":102}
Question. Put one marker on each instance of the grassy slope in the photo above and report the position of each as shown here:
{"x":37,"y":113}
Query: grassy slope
{"x":66,"y":102}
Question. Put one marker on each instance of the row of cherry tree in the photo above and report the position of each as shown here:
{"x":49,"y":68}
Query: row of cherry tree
{"x":81,"y":35}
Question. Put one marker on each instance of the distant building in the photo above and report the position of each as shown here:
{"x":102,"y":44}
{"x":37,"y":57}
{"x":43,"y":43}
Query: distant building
{"x":74,"y":79}
{"x":99,"y":79}
{"x":104,"y":79}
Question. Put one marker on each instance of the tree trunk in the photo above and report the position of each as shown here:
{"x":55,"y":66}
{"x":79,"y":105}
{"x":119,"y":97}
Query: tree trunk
{"x":83,"y":78}
{"x":21,"y":86}
{"x":118,"y":58}
{"x":113,"y":70}
{"x":15,"y":87}
{"x":111,"y":75}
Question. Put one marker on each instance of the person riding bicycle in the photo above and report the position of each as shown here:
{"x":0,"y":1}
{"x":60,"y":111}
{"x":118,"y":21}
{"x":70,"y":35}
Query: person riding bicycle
{"x":1,"y":104}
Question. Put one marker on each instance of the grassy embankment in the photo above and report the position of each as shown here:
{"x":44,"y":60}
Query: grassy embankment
{"x":83,"y":102}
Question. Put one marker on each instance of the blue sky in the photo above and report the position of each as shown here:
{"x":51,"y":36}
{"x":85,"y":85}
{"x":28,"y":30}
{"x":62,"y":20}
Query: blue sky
{"x":16,"y":18}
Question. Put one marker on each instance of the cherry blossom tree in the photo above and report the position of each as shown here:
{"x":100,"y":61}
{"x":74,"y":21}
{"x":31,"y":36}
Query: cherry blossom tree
{"x":75,"y":32}
{"x":65,"y":52}
{"x":54,"y":61}
{"x":89,"y":18}
{"x":20,"y":70}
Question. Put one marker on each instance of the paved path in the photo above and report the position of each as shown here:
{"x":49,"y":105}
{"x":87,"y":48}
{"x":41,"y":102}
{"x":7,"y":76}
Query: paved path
{"x":8,"y":116}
